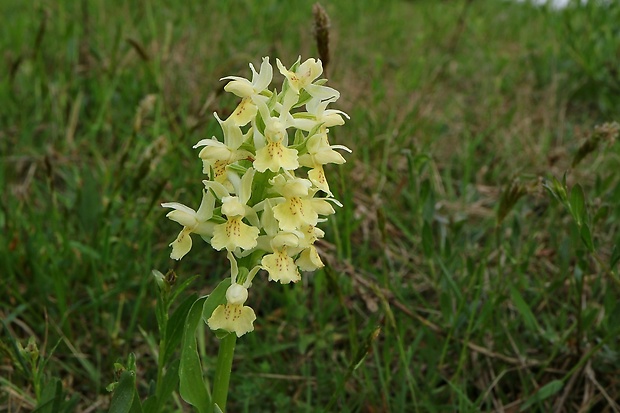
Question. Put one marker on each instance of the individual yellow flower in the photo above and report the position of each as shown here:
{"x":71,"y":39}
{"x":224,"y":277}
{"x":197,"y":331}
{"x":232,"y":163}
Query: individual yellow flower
{"x":303,"y":77}
{"x":318,"y":114}
{"x":320,"y":152}
{"x":192,"y":221}
{"x":246,"y":110}
{"x":216,"y":155}
{"x":298,"y":208}
{"x":271,"y":150}
{"x":280,"y":265}
{"x":295,"y":211}
{"x":233,"y":316}
{"x":309,"y":234}
{"x":309,"y":259}
{"x":234,"y":233}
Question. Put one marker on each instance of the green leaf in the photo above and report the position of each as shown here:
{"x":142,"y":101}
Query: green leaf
{"x":217,"y":297}
{"x":179,"y":288}
{"x":543,"y":393}
{"x":125,"y":399}
{"x":578,"y":204}
{"x":528,"y":316}
{"x":170,"y":381}
{"x":615,"y":257}
{"x":51,"y":397}
{"x":54,"y":399}
{"x":174,"y":330}
{"x":601,"y":214}
{"x":586,"y":237}
{"x":556,"y":189}
{"x":427,"y":239}
{"x":191,"y":385}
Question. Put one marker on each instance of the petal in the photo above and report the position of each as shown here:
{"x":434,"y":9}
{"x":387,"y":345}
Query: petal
{"x":309,"y":260}
{"x":322,"y":92}
{"x":234,"y":268}
{"x":204,"y":229}
{"x":245,"y":192}
{"x":296,"y":187}
{"x":332,"y":119}
{"x":215,"y":152}
{"x":177,"y":206}
{"x":181,"y":245}
{"x":290,"y":99}
{"x":231,"y":206}
{"x":317,"y":106}
{"x":310,"y":234}
{"x":284,"y":239}
{"x":233,"y":136}
{"x":264,"y":78}
{"x":305,"y":124}
{"x":244,"y":112}
{"x":261,"y":104}
{"x":268,"y":221}
{"x":317,"y":176}
{"x":233,"y":318}
{"x":236,"y":294}
{"x":240,"y":87}
{"x":207,"y":142}
{"x":316,"y":142}
{"x":294,"y":213}
{"x":219,"y":189}
{"x":310,"y":70}
{"x":328,"y":156}
{"x":281,"y":67}
{"x":206,"y":167}
{"x":205,"y":212}
{"x":274,"y":156}
{"x":281,"y":267}
{"x":182,"y":217}
{"x":321,"y":206}
{"x":234,"y":233}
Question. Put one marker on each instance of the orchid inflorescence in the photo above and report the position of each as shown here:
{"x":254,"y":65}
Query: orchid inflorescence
{"x":254,"y":204}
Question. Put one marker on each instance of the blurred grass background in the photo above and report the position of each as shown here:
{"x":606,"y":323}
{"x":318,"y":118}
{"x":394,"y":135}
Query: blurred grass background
{"x":454,"y":105}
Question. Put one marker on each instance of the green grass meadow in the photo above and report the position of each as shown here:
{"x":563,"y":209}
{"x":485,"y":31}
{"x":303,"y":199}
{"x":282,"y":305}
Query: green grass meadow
{"x":473,"y":266}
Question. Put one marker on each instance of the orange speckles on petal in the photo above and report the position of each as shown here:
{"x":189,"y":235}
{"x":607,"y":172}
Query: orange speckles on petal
{"x":219,"y":168}
{"x":281,"y":267}
{"x":233,"y":229}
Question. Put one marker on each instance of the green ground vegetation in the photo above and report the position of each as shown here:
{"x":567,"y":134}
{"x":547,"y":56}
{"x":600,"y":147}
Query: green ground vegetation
{"x":473,"y":266}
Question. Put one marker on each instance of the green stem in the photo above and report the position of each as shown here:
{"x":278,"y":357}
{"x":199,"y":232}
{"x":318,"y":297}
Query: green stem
{"x":160,"y":358}
{"x":163,"y":308}
{"x":222,"y":371}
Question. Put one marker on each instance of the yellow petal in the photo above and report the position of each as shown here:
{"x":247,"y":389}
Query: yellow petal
{"x":309,"y":260}
{"x":234,"y":318}
{"x":294,"y":213}
{"x":245,"y":112}
{"x":181,"y":245}
{"x":317,"y":176}
{"x":281,"y":267}
{"x":234,"y":233}
{"x":274,"y":156}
